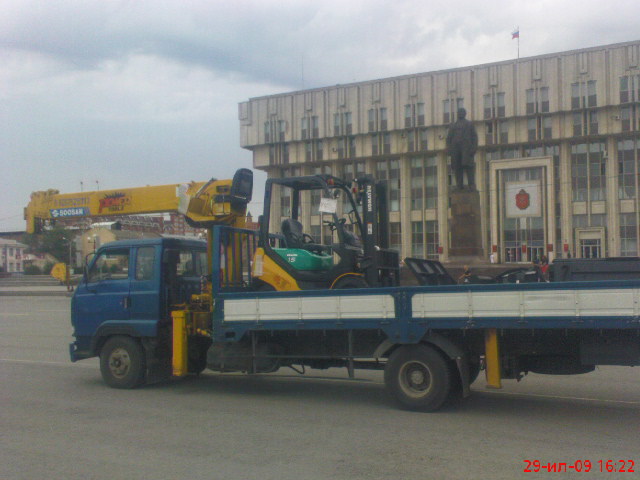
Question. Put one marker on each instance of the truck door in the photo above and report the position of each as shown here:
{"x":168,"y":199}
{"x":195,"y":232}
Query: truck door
{"x":144,"y":291}
{"x":104,"y":295}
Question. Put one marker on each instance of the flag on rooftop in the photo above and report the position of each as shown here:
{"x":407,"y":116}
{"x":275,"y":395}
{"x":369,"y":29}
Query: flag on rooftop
{"x":515,"y":34}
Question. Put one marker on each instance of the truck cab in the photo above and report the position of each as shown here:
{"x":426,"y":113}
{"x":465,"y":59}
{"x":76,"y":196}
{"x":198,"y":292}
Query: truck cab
{"x":129,"y":287}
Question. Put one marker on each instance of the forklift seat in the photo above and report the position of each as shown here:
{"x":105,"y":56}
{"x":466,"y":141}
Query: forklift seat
{"x":292,"y":231}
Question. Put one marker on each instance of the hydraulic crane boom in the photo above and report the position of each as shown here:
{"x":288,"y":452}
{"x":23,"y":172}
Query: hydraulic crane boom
{"x":203,"y":203}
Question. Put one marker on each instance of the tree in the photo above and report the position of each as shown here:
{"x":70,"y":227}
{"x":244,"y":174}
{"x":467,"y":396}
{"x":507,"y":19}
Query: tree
{"x":55,"y":242}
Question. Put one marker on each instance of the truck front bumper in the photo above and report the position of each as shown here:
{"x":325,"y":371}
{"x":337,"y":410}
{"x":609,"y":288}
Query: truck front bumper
{"x":75,"y":354}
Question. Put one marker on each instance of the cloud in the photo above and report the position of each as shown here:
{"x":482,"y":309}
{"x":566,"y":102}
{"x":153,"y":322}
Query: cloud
{"x":146,"y":91}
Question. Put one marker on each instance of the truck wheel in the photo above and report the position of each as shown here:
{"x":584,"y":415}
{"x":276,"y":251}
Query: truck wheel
{"x":122,"y":362}
{"x":418,"y":377}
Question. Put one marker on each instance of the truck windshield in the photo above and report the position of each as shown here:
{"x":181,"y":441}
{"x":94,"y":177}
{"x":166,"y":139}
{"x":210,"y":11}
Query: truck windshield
{"x":111,"y":264}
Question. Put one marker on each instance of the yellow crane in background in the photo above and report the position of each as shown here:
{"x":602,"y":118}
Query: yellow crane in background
{"x":216,"y":202}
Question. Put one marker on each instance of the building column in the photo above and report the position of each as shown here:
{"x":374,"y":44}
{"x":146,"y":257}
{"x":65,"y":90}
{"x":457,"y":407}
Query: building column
{"x":566,"y":200}
{"x":613,"y":204}
{"x":443,"y":206}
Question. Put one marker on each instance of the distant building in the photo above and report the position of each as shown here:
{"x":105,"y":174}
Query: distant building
{"x":12,"y":256}
{"x":563,"y":127}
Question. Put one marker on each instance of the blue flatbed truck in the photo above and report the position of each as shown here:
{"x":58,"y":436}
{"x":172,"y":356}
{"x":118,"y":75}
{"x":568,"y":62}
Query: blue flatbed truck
{"x":170,"y":307}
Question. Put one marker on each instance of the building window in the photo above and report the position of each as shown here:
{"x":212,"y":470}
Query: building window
{"x":414,"y":115}
{"x":395,"y":236}
{"x":417,"y":172}
{"x":316,"y":231}
{"x":504,"y":131}
{"x":624,"y":90}
{"x":375,"y":139}
{"x":628,"y":235}
{"x":394,"y":186}
{"x":308,"y":152}
{"x":351,"y":170}
{"x":593,"y":122}
{"x":417,"y":240}
{"x":577,"y":124}
{"x":411,"y":141}
{"x":597,"y":172}
{"x":575,"y":96}
{"x":433,"y":239}
{"x":488,"y":133}
{"x":494,"y":105}
{"x":501,"y":104}
{"x":450,"y":108}
{"x":431,"y":182}
{"x":532,"y":130}
{"x":423,"y":144}
{"x":544,"y":99}
{"x":627,"y":167}
{"x":342,"y":147}
{"x":386,"y":143}
{"x":531,"y":101}
{"x":424,"y":182}
{"x":579,"y":172}
{"x":584,"y":95}
{"x":377,"y":119}
{"x":342,"y":124}
{"x":547,"y":127}
{"x":537,"y":100}
{"x":488,"y":107}
{"x":408,"y":119}
{"x":348,"y":172}
{"x":388,"y":172}
{"x":309,"y":127}
{"x":352,"y":146}
{"x":592,"y":99}
{"x":588,"y":172}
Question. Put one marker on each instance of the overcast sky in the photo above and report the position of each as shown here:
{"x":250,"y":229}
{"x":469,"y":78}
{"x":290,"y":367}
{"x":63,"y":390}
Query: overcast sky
{"x":133,"y":93}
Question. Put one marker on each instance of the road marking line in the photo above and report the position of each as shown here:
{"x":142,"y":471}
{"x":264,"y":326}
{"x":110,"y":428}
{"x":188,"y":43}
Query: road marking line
{"x":560,"y":397}
{"x":42,"y":362}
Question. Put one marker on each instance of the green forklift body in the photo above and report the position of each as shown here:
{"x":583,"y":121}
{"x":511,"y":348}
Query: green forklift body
{"x":305,"y":260}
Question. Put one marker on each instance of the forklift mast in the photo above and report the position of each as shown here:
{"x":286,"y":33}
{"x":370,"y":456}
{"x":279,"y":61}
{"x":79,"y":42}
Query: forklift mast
{"x":381,"y":264}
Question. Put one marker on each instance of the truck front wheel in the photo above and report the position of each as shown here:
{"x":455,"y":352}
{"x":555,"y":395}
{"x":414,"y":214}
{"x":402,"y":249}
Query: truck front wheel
{"x":122,"y":362}
{"x":419,"y":377}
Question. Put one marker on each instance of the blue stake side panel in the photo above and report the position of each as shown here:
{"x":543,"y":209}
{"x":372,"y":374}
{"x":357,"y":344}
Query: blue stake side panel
{"x":406,"y":313}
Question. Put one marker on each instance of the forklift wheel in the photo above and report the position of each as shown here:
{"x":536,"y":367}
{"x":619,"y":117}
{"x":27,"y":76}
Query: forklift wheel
{"x":350,"y":281}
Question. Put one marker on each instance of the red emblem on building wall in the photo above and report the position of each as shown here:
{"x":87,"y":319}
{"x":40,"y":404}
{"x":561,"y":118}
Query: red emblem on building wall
{"x":522,"y":199}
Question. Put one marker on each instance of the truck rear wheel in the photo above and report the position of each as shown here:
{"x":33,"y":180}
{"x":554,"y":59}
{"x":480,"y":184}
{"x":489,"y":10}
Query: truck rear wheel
{"x":122,"y":362}
{"x":419,"y":377}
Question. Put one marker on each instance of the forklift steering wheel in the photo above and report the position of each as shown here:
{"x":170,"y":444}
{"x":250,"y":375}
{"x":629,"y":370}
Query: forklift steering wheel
{"x":333,"y":226}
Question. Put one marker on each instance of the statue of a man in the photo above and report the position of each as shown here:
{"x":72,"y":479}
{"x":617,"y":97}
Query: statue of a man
{"x":462,"y":143}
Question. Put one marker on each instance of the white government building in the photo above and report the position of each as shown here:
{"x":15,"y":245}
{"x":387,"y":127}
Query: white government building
{"x":563,"y":127}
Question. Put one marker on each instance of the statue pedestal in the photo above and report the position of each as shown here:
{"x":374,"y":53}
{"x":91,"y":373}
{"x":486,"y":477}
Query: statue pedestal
{"x":465,"y":226}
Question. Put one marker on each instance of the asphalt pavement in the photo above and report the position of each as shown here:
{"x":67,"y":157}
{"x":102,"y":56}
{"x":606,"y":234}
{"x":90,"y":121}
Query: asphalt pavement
{"x":59,"y":421}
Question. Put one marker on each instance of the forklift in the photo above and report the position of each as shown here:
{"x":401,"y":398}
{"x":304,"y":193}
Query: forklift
{"x":291,"y":259}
